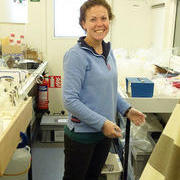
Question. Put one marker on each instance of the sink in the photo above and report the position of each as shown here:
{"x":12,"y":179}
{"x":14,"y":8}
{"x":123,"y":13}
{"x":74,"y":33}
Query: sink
{"x":4,"y":122}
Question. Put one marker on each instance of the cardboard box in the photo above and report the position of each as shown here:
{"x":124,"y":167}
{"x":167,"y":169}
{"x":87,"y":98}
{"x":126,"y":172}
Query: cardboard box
{"x":139,"y":87}
{"x":139,"y":159}
{"x":163,"y":163}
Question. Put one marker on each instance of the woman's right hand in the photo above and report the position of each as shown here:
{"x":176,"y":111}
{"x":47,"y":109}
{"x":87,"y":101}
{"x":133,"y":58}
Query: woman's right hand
{"x":111,"y":130}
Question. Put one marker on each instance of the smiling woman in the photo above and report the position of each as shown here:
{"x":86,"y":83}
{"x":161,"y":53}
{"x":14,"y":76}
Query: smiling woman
{"x":66,"y":15}
{"x":90,"y":96}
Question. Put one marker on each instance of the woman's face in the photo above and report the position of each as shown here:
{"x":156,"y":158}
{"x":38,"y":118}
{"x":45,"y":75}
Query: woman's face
{"x":96,"y":23}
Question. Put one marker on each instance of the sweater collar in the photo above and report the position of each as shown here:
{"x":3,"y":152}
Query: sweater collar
{"x":106,"y":46}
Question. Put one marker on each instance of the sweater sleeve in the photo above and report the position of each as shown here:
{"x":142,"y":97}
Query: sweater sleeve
{"x":74,"y":75}
{"x":122,"y":105}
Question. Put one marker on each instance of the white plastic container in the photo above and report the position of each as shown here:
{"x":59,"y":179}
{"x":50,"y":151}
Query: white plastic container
{"x":114,"y":172}
{"x":19,"y":165}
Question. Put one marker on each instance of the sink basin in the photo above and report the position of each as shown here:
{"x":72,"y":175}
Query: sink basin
{"x":4,"y":122}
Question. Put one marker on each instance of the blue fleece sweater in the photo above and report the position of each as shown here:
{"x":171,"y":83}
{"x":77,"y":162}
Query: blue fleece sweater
{"x":90,"y":89}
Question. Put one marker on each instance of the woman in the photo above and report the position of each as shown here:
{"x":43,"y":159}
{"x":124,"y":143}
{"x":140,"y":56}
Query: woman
{"x":90,"y":96}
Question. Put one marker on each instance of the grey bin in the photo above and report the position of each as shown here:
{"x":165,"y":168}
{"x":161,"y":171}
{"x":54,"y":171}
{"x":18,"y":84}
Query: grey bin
{"x":52,"y":128}
{"x":139,"y":159}
{"x":18,"y":166}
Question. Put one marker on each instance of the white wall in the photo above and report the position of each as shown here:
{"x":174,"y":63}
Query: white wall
{"x":34,"y":30}
{"x":12,"y":11}
{"x":158,"y":24}
{"x":170,"y":23}
{"x":163,"y":22}
{"x":177,"y":36}
{"x":132,"y":24}
{"x":131,"y":28}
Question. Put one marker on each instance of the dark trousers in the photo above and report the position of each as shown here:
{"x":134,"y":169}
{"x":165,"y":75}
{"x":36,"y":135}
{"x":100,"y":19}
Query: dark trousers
{"x":84,"y":161}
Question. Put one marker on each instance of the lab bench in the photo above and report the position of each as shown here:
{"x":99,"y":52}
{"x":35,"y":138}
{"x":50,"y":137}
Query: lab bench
{"x":10,"y":137}
{"x":155,"y":104}
{"x":21,"y":121}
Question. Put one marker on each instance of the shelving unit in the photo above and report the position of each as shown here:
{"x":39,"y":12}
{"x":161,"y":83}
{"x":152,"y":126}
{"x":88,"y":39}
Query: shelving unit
{"x":145,"y":105}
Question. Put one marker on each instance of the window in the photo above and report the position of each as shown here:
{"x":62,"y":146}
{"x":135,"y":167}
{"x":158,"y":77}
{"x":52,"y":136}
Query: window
{"x":66,"y":18}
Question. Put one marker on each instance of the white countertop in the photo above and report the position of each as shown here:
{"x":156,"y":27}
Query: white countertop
{"x":152,"y":105}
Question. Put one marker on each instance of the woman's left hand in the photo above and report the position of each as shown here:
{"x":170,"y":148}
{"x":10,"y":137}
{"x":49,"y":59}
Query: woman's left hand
{"x":136,"y":116}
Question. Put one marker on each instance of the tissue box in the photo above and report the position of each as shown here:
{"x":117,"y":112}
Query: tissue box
{"x":139,"y":87}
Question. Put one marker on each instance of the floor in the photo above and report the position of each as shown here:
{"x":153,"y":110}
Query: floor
{"x":48,"y":161}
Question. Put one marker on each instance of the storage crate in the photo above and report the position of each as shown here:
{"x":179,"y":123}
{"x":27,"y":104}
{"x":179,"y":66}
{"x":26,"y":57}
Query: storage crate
{"x":52,"y":128}
{"x":112,"y":168}
{"x":139,"y":159}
